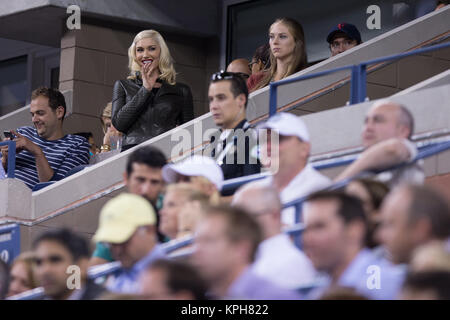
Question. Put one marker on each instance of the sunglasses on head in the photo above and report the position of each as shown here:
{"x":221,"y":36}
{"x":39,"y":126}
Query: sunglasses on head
{"x":225,"y":75}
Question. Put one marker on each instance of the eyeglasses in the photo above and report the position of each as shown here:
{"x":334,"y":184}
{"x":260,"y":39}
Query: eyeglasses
{"x":225,"y":75}
{"x":250,"y":65}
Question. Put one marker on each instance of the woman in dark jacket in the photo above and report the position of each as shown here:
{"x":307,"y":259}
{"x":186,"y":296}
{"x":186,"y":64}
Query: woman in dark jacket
{"x":149,"y":102}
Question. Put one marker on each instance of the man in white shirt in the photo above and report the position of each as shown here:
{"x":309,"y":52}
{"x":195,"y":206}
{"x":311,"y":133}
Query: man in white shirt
{"x":277,"y":259}
{"x":292,"y":177}
{"x":388,"y":126}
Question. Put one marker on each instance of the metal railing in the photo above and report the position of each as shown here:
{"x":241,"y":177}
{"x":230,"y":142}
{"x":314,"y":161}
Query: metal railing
{"x":11,"y":157}
{"x":357,"y":80}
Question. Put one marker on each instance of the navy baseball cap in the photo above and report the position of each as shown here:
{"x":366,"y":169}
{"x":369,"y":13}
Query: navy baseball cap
{"x":349,"y":29}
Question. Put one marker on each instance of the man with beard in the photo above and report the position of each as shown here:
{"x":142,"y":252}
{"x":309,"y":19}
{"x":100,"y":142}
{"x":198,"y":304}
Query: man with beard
{"x":143,"y":177}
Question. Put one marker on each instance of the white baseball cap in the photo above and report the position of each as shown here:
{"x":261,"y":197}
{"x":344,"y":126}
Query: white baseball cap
{"x":194,"y":166}
{"x":287,"y":124}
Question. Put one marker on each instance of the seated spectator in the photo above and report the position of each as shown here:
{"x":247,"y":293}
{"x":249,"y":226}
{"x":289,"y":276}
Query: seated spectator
{"x":334,"y":240}
{"x":427,"y":285}
{"x":342,"y":37}
{"x":127,"y":225}
{"x":172,"y":280}
{"x":56,"y":253}
{"x":192,"y":212}
{"x":277,"y":260}
{"x":202,"y":173}
{"x":431,"y":256}
{"x":260,"y":63}
{"x":292,"y":176}
{"x":261,"y":59}
{"x":4,"y":279}
{"x":226,"y":243}
{"x":93,"y":150}
{"x":150,"y":101}
{"x":142,"y":177}
{"x":441,"y":4}
{"x":112,"y":137}
{"x":287,"y":51}
{"x":228,"y":98}
{"x":240,"y":67}
{"x":44,"y":153}
{"x":371,"y":193}
{"x":178,"y":214}
{"x":413,"y":216}
{"x":22,"y":275}
{"x":388,"y":128}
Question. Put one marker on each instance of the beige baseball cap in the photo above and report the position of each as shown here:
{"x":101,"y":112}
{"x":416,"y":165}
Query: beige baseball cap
{"x":121,"y":216}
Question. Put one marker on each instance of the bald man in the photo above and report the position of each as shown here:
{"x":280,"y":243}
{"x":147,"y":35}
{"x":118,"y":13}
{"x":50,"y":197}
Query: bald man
{"x":388,"y":127}
{"x":278,"y":260}
{"x":240,"y":66}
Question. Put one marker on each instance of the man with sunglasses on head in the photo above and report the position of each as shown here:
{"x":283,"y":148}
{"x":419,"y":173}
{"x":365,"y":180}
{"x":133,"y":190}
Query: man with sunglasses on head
{"x":234,"y":145}
{"x":343,"y":37}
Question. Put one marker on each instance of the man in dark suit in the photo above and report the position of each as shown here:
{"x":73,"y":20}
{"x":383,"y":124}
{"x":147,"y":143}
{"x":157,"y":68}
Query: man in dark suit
{"x":235,"y":144}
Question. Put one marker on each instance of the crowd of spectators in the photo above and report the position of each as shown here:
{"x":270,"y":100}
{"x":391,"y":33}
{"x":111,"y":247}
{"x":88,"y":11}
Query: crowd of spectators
{"x":382,"y":236}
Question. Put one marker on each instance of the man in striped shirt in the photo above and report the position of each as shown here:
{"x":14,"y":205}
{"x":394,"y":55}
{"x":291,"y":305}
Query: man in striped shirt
{"x":44,"y":153}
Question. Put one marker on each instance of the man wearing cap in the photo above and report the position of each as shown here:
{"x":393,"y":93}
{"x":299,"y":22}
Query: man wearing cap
{"x":195,"y":166}
{"x":292,"y":176}
{"x":342,"y":37}
{"x":127,"y":226}
{"x":234,"y":145}
{"x":142,"y":177}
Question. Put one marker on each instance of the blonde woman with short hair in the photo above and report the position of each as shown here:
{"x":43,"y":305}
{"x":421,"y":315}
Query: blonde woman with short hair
{"x":150,"y":101}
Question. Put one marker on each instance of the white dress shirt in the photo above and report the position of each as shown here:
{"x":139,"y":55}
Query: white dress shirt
{"x":280,"y":262}
{"x":304,"y":183}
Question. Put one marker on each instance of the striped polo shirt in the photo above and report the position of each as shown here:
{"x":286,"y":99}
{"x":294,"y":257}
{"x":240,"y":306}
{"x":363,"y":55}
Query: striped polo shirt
{"x":62,"y":155}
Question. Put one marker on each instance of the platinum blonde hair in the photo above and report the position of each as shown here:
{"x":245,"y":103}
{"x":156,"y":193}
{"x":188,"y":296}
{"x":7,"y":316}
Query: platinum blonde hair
{"x":166,"y":67}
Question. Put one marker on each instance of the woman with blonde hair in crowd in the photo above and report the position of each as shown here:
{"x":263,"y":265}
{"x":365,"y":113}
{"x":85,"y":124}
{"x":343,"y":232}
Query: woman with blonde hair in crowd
{"x":150,"y":101}
{"x":194,"y":182}
{"x":287,"y":53}
{"x":22,"y":276}
{"x":182,"y":208}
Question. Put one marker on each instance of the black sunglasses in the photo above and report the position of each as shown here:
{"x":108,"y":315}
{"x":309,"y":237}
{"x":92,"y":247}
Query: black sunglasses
{"x":225,"y":75}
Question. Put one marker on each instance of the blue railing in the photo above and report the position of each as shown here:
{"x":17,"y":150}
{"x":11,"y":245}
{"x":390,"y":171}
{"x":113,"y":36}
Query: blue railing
{"x":9,"y":242}
{"x":426,"y":152}
{"x":11,"y":157}
{"x":357,"y":80}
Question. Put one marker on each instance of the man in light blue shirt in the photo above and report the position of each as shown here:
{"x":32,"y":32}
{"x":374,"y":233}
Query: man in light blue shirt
{"x":226,"y":243}
{"x":334,"y":240}
{"x":128,"y":227}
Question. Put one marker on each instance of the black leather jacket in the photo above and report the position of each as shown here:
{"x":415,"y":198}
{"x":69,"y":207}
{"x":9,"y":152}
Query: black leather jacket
{"x":141,"y":114}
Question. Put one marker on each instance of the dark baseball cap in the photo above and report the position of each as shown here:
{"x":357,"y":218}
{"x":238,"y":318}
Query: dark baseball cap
{"x":347,"y":28}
